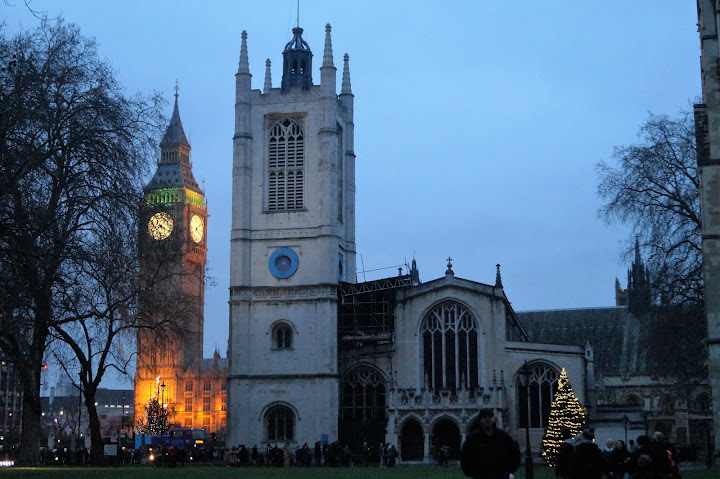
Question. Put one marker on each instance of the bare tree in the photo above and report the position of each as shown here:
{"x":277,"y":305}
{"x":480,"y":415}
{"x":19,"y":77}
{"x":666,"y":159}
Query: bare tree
{"x":73,"y":153}
{"x":654,"y":188}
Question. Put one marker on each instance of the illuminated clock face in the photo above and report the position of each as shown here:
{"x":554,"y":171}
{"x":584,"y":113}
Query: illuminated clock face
{"x":196,"y":228}
{"x":160,"y":225}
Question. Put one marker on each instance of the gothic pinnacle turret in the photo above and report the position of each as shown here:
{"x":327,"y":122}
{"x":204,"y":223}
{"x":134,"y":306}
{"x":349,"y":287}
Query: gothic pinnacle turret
{"x":243,"y":64}
{"x":268,"y":80}
{"x":327,"y":53}
{"x":346,"y":89}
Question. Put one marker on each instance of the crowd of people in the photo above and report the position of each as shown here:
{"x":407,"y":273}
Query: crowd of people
{"x":580,"y":457}
{"x":332,"y":454}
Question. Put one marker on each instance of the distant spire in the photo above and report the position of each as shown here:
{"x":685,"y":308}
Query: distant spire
{"x":637,"y":249}
{"x":449,"y":266}
{"x":244,"y":65}
{"x":327,"y":54}
{"x":498,"y":279}
{"x":175,"y":135}
{"x":346,"y":76}
{"x":268,"y":80}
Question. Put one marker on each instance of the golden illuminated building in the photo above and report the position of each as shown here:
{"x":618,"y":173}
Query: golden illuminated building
{"x":173,"y":252}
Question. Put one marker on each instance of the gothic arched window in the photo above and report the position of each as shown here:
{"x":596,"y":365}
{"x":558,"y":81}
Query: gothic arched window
{"x":363,"y":394}
{"x":542,"y":387}
{"x":450,"y":348}
{"x":279,"y":424}
{"x":286,"y":165}
{"x":702,"y":403}
{"x":282,"y":336}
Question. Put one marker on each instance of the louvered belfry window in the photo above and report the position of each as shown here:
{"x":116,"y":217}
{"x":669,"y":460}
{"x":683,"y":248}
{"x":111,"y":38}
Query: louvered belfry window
{"x":286,"y":165}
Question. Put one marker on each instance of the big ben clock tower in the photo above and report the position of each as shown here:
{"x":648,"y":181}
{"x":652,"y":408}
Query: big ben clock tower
{"x":173,"y":254}
{"x":292,"y":242}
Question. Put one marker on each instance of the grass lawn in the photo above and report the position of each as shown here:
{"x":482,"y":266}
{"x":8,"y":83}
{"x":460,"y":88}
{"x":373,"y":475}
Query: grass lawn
{"x":142,"y":472}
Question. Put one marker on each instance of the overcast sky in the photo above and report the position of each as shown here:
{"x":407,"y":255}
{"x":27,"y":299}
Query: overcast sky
{"x":478,"y":124}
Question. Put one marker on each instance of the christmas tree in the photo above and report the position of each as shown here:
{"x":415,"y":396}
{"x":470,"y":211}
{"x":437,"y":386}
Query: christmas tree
{"x":565,"y":412}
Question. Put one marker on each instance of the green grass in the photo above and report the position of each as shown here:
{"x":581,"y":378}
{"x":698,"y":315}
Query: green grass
{"x":142,"y":472}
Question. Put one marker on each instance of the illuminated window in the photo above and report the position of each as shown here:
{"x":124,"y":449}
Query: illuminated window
{"x":188,"y":404}
{"x":188,"y":386}
{"x":223,"y":403}
{"x":279,"y":424}
{"x":207,"y":386}
{"x":450,"y":348}
{"x":188,"y":421}
{"x":206,"y":403}
{"x":206,"y":421}
{"x":286,"y":165}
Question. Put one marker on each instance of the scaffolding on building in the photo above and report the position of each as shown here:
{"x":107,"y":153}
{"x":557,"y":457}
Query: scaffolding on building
{"x":367,"y":313}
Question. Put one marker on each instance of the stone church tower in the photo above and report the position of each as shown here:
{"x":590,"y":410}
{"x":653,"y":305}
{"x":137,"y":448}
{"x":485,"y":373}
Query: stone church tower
{"x":292,"y":241}
{"x":173,"y":255}
{"x":707,"y":125}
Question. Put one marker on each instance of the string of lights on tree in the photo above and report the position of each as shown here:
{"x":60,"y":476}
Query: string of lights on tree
{"x":565,"y":412}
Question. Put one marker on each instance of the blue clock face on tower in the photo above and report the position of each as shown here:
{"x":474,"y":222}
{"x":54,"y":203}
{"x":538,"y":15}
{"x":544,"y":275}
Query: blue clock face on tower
{"x":283,"y":263}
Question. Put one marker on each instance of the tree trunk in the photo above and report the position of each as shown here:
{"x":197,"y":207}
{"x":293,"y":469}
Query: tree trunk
{"x":96,"y":442}
{"x":31,"y":436}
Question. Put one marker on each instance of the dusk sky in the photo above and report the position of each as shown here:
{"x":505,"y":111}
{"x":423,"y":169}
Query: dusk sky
{"x":478,"y":124}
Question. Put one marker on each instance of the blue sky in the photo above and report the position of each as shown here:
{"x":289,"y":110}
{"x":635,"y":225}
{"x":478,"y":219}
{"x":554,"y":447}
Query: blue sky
{"x":478,"y":124}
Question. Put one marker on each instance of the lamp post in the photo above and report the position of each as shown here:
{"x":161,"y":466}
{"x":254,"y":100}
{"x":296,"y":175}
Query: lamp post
{"x":524,"y":374}
{"x":122,"y":418}
{"x":625,"y":420}
{"x":163,"y":411}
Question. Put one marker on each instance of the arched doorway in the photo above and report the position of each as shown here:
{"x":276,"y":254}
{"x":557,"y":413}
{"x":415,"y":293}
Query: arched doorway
{"x":447,"y":433}
{"x":412,"y":441}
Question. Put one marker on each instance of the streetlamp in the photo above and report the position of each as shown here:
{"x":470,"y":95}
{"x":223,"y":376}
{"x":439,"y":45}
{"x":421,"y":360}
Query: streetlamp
{"x":163,"y":411}
{"x":122,"y":418}
{"x":524,"y":374}
{"x":625,"y":420}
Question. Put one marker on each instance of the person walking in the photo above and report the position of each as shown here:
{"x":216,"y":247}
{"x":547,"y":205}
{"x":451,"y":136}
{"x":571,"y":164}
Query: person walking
{"x":489,"y":453}
{"x":286,"y":455}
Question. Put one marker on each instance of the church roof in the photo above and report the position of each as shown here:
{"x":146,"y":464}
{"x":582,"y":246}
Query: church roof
{"x":619,"y":341}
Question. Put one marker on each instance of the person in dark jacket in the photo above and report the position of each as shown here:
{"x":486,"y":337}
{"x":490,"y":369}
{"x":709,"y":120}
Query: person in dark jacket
{"x":588,"y":461}
{"x":489,"y":453}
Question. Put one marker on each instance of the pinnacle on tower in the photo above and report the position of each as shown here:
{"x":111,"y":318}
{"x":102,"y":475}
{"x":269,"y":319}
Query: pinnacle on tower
{"x":297,"y":63}
{"x":244,"y":64}
{"x":498,"y":278}
{"x":268,"y":80}
{"x":327,"y":54}
{"x":346,"y":89}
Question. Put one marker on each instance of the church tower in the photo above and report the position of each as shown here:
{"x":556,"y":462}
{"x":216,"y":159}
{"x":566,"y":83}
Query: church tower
{"x":173,"y":254}
{"x":707,"y":128}
{"x":292,"y":242}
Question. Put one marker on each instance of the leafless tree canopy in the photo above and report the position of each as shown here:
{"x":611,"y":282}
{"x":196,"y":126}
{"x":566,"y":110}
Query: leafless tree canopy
{"x":654,"y":188}
{"x":74,"y":150}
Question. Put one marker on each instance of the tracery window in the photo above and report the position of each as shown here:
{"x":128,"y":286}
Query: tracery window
{"x":363,"y":394}
{"x":279,"y":424}
{"x":543,"y":385}
{"x":286,"y":165}
{"x":450,"y":348}
{"x":282,"y":336}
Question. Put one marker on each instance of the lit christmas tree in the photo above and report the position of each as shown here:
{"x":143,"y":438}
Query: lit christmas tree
{"x":565,"y":411}
{"x":156,"y":417}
